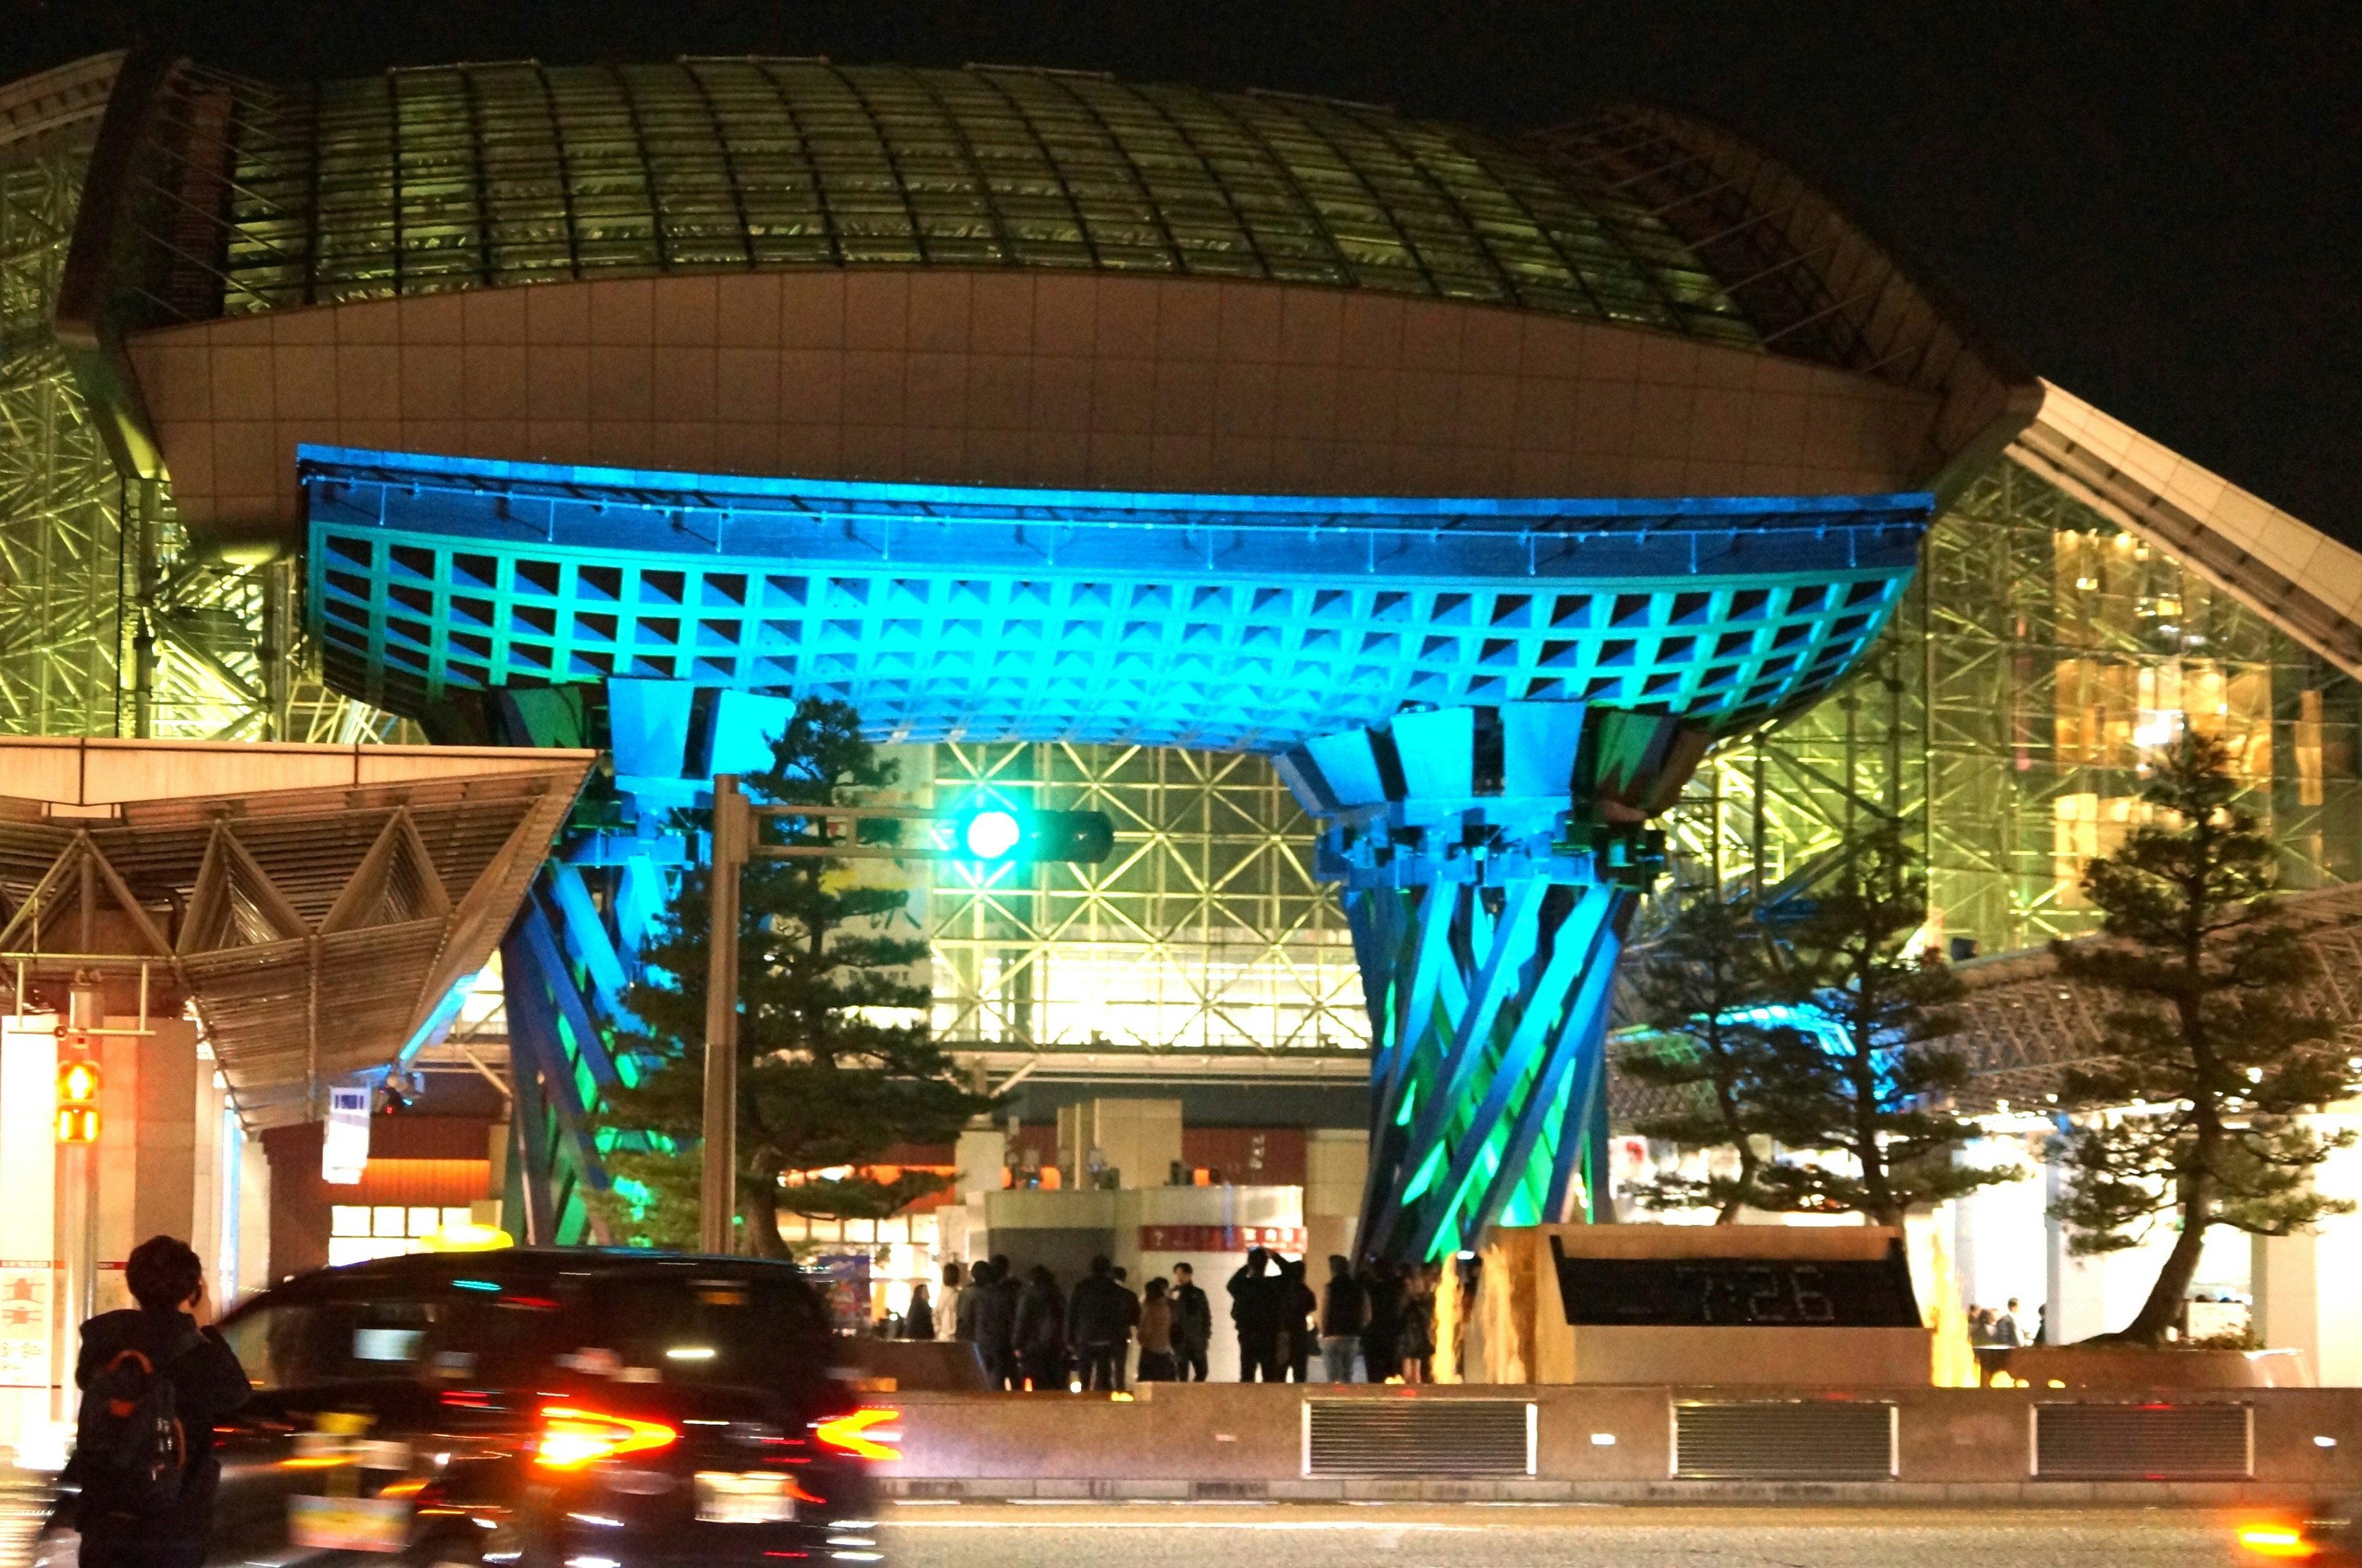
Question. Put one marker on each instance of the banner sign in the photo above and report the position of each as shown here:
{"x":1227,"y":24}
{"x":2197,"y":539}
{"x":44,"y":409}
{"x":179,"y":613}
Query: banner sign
{"x":344,"y":1142}
{"x":24,"y":1287}
{"x":1221,"y":1237}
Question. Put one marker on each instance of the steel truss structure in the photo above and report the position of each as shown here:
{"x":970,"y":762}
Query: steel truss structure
{"x":2042,"y":649}
{"x":110,"y":623}
{"x":1207,"y":930}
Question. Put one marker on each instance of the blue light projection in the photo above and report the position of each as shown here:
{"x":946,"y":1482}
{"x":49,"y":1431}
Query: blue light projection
{"x":1484,"y":700}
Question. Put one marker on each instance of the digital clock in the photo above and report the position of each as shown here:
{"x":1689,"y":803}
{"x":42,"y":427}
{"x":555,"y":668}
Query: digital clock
{"x":1738,"y":1292}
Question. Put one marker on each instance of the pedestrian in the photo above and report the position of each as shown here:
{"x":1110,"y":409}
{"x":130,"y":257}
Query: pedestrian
{"x":919,"y":1317}
{"x":1345,"y":1307}
{"x":1255,"y":1313}
{"x":1296,"y":1306}
{"x":1156,"y":1333}
{"x":1099,"y":1327}
{"x":1381,"y":1360}
{"x":1042,"y":1331}
{"x":139,"y":1500}
{"x":951,"y":1306}
{"x":994,"y":1324}
{"x":1415,"y":1339}
{"x":2004,"y":1328}
{"x":1193,"y":1324}
{"x":1131,"y":1322}
{"x":2042,"y":1324}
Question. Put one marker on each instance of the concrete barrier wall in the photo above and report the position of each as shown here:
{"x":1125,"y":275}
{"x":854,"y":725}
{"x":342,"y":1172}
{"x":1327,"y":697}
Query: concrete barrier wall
{"x":1218,"y":1440}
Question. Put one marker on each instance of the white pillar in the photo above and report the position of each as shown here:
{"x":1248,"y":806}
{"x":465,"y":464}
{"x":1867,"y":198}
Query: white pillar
{"x":31,"y":1340}
{"x":2306,"y":1286}
{"x":2075,"y":1289}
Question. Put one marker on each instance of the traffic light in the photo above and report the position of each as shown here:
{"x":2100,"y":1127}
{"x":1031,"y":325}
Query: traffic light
{"x":78,"y":1087}
{"x":999,"y":837}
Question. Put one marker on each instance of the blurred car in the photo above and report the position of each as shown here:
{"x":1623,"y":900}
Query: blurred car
{"x":548,"y":1408}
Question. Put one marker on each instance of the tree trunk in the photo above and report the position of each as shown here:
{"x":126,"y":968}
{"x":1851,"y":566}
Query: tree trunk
{"x":1748,"y":1162}
{"x":2172,"y":1287}
{"x":759,"y":1201}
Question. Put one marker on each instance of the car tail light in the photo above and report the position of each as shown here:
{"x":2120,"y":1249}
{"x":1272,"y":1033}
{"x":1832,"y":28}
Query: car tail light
{"x":2275,"y":1541}
{"x":864,"y":1434}
{"x":572,"y":1437}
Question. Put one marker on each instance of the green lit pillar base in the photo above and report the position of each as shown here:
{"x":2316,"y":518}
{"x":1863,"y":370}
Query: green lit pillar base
{"x":1490,"y":859}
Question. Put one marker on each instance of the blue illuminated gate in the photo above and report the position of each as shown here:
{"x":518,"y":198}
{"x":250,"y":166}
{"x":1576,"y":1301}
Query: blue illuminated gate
{"x":1485,"y":699}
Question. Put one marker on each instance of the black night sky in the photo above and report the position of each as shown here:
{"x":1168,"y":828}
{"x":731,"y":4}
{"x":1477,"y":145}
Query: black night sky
{"x":2154,"y":203}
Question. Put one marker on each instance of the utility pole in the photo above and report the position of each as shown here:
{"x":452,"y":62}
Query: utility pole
{"x":718,"y":1205}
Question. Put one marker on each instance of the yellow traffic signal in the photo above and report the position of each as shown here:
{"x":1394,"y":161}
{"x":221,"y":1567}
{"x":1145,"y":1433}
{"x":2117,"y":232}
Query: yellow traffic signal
{"x":78,"y":1087}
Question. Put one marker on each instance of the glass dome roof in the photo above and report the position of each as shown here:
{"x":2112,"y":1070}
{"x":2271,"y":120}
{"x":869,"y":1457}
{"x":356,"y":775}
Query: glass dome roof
{"x":469,"y":176}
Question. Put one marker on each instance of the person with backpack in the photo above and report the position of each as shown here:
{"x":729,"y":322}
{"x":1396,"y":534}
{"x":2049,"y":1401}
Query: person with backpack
{"x":155,"y":1380}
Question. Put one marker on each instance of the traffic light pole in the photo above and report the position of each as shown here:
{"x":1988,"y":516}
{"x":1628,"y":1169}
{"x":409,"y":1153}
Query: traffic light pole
{"x":78,"y":1195}
{"x":718,"y":1205}
{"x":1078,"y":836}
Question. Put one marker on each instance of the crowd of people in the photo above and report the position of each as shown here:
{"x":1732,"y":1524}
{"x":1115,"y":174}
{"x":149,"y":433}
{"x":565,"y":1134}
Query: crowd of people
{"x":1030,"y":1333}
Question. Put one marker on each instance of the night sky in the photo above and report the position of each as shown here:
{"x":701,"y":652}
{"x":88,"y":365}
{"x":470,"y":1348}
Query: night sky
{"x":2154,"y":203}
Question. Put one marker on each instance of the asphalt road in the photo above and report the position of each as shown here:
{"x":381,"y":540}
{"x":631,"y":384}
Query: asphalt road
{"x":973,"y":1535}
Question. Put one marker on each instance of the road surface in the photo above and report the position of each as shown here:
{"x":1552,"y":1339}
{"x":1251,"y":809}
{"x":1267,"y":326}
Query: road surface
{"x":1197,"y":1535}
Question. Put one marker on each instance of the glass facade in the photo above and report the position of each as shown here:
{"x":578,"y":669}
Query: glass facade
{"x":2040,"y":653}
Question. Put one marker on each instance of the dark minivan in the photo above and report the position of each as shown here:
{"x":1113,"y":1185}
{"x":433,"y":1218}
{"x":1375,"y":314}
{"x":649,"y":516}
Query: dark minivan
{"x":549,"y":1408}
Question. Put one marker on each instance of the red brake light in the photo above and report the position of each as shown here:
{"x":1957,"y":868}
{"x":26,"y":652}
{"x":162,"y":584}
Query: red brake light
{"x":572,"y":1439}
{"x":859,"y":1433}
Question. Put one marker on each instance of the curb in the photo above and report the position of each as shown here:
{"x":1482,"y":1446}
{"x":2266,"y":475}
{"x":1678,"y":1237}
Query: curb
{"x":1849,"y":1494}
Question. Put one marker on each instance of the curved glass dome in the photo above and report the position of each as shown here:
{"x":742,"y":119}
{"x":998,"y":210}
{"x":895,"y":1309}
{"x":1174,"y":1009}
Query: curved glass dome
{"x":474,"y":175}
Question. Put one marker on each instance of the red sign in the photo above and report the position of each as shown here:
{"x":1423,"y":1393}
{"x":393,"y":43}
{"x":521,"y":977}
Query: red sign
{"x":1221,"y":1237}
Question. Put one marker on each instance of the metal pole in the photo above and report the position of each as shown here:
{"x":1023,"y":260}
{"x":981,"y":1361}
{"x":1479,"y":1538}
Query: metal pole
{"x":78,"y":1188}
{"x":733,"y":827}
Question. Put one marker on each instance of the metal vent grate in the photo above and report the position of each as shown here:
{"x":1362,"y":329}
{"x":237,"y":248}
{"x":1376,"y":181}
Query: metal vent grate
{"x":2142,"y":1442}
{"x":1823,"y":1440}
{"x":1418,"y":1437}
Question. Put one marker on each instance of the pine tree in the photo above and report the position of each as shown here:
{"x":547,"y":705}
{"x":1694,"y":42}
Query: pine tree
{"x":1698,"y":986}
{"x":1856,"y":1074}
{"x":835,"y":1061}
{"x":2194,"y":1115}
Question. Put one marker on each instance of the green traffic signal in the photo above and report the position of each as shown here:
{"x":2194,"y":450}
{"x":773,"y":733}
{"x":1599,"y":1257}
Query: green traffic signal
{"x":1001,"y":837}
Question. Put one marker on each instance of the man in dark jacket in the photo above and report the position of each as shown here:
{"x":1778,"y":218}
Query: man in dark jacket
{"x":1382,"y":1287}
{"x":1193,"y":1324}
{"x":1296,"y":1306}
{"x":1098,"y":1326}
{"x":118,"y":1531}
{"x":992,"y":1317}
{"x":1042,"y":1331}
{"x":1256,"y":1306}
{"x":1345,"y":1307}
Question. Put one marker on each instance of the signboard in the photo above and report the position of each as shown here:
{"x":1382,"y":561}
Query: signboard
{"x":1221,"y":1238}
{"x":25,"y":1294}
{"x":344,"y":1142}
{"x":844,"y":1281}
{"x":1742,"y":1292}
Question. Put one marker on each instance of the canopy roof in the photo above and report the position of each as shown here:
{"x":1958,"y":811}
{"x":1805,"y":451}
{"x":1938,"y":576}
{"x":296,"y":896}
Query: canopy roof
{"x":316,"y":905}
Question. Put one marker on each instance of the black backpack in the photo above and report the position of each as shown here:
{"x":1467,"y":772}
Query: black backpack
{"x":131,"y":1454}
